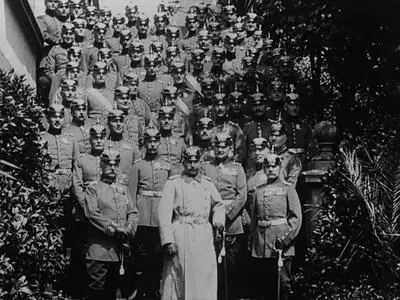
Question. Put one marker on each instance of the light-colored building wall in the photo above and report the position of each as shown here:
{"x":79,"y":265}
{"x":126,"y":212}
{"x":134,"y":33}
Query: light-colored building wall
{"x":20,"y":40}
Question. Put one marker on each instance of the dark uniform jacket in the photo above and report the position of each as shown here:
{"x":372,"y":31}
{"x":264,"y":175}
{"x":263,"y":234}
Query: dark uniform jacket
{"x":106,"y":206}
{"x":230,"y":181}
{"x":276,"y":213}
{"x":146,"y":182}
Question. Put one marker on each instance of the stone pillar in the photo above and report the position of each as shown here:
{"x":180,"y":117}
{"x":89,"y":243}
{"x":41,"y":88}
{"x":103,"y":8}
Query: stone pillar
{"x":327,"y":138}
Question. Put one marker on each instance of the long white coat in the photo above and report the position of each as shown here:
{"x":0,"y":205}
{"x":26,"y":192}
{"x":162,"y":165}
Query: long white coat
{"x":187,"y":210}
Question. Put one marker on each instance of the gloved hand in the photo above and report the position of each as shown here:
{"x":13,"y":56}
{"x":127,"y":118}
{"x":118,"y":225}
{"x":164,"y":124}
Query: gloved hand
{"x":219,"y":227}
{"x":279,"y":244}
{"x":170,"y":249}
{"x":122,"y":237}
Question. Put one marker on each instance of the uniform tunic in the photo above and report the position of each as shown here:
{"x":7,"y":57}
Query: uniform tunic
{"x":171,"y":149}
{"x":63,"y":151}
{"x":50,"y":27}
{"x":230,"y":181}
{"x":129,"y":153}
{"x":133,"y":130}
{"x":146,"y":181}
{"x":106,"y":204}
{"x":81,"y":135}
{"x":188,"y":208}
{"x":271,"y":202}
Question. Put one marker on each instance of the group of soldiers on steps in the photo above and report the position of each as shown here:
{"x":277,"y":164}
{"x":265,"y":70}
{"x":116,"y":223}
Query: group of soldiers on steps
{"x":178,"y":147}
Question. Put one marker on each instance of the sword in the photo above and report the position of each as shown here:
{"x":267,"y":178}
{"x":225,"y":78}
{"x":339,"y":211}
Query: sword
{"x":280,"y":265}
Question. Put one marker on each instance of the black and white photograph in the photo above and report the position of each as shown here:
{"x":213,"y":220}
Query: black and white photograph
{"x":199,"y":150}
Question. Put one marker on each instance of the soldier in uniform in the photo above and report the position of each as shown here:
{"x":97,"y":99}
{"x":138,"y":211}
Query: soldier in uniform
{"x":196,"y":64}
{"x":146,"y":181}
{"x":135,"y":64}
{"x":92,"y":17}
{"x":185,"y":89}
{"x":230,"y":181}
{"x":159,"y":32}
{"x":133,"y":130}
{"x":250,"y":22}
{"x":232,"y":64}
{"x":300,"y":139}
{"x":112,"y":222}
{"x":86,"y":170}
{"x":260,"y":126}
{"x":171,"y":146}
{"x":172,"y":35}
{"x":50,"y":25}
{"x":56,"y":60}
{"x":276,"y":98}
{"x":75,"y":10}
{"x":114,"y":41}
{"x":204,"y":43}
{"x":218,"y":60}
{"x":205,"y":103}
{"x":62,"y":10}
{"x":230,"y":17}
{"x":180,"y":124}
{"x":131,"y":13}
{"x":90,"y":55}
{"x":222,"y":124}
{"x":290,"y":163}
{"x":189,"y":209}
{"x":215,"y":33}
{"x":67,"y":93}
{"x":189,"y":42}
{"x":203,"y":138}
{"x":105,"y":17}
{"x":129,"y":151}
{"x":143,"y":30}
{"x":236,"y":113}
{"x":83,"y":36}
{"x":77,"y":128}
{"x":151,"y":87}
{"x":139,"y":107}
{"x":61,"y":148}
{"x":275,"y":222}
{"x":100,"y":94}
{"x":122,"y":59}
{"x":241,"y":47}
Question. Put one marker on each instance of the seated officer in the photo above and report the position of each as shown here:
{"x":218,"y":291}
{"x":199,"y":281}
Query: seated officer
{"x":112,"y":218}
{"x":275,"y":222}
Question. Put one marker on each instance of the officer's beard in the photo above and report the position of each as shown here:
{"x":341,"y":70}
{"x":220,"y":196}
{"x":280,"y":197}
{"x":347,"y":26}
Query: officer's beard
{"x":55,"y":131}
{"x":78,"y":122}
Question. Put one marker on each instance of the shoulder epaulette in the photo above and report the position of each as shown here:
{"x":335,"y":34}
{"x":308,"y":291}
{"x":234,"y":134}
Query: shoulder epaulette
{"x":138,"y":160}
{"x":261,"y":183}
{"x":81,"y":155}
{"x":286,"y":183}
{"x":94,"y":182}
{"x":207,"y":178}
{"x":236,"y":163}
{"x":172,"y":177}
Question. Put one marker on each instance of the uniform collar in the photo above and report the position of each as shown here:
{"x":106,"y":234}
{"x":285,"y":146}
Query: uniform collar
{"x":189,"y":179}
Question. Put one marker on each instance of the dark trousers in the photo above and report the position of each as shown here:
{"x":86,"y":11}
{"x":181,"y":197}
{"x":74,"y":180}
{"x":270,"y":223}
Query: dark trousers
{"x":77,"y":275}
{"x":264,"y":278}
{"x":229,"y":271}
{"x":102,"y":279}
{"x":148,"y":257}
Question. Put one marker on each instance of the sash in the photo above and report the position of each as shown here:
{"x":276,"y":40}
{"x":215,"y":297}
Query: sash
{"x":182,"y":106}
{"x":98,"y":96}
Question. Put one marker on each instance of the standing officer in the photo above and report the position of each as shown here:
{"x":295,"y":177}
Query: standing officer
{"x":129,"y":151}
{"x":78,"y":129}
{"x":222,"y":124}
{"x":133,"y":130}
{"x":146,"y":181}
{"x":139,"y":106}
{"x":113,"y":42}
{"x":290,"y":163}
{"x":189,"y":42}
{"x":203,"y":138}
{"x":189,"y":210}
{"x":171,"y":146}
{"x":61,"y":147}
{"x":151,"y":87}
{"x":112,"y":218}
{"x":135,"y":65}
{"x":230,"y":181}
{"x":300,"y":139}
{"x":276,"y":96}
{"x":90,"y":55}
{"x":275,"y":222}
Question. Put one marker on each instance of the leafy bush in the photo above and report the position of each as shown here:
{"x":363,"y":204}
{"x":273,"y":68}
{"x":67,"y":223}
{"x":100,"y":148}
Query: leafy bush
{"x":355,"y":251}
{"x":31,"y":256}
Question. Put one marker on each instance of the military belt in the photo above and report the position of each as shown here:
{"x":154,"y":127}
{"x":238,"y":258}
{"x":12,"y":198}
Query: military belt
{"x":148,"y":193}
{"x":269,"y":223}
{"x":296,"y":150}
{"x":62,"y":171}
{"x":192,"y":220}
